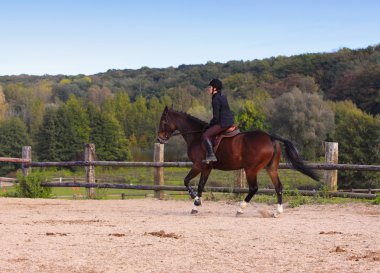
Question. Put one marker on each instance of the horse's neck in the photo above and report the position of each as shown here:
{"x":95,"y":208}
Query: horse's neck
{"x":189,"y":130}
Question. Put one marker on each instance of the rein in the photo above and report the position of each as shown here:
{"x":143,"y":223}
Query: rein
{"x":186,"y":133}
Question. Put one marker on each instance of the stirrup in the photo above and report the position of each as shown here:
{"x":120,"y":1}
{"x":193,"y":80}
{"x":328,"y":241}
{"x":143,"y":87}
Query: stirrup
{"x":207,"y":160}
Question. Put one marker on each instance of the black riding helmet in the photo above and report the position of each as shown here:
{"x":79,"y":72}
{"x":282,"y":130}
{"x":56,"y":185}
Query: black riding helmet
{"x":215,"y":83}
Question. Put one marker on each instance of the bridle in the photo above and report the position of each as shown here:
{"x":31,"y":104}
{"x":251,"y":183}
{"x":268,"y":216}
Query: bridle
{"x":165,"y":140}
{"x":176,"y":133}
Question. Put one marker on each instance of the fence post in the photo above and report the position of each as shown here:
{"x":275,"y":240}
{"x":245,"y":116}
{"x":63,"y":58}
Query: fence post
{"x":241,"y":180}
{"x":331,"y":157}
{"x":158,"y":171}
{"x":26,"y":154}
{"x":89,"y":155}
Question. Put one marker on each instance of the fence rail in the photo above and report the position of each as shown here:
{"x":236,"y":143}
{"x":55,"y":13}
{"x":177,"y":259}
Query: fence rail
{"x":67,"y":179}
{"x":330,"y":167}
{"x":14,"y":160}
{"x":316,"y":166}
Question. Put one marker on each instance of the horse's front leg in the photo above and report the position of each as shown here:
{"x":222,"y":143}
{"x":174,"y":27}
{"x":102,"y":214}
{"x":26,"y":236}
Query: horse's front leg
{"x":193,"y":173}
{"x":202,"y":182}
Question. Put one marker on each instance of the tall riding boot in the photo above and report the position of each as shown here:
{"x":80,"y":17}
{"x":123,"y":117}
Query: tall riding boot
{"x":210,"y":156}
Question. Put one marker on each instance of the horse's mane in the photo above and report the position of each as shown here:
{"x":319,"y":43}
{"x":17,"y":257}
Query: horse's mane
{"x":191,"y":118}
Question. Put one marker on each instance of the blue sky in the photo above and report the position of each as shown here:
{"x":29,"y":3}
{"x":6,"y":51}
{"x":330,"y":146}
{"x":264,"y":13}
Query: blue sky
{"x":87,"y":37}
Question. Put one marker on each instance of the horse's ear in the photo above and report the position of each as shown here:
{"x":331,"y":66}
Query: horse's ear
{"x":166,"y":109}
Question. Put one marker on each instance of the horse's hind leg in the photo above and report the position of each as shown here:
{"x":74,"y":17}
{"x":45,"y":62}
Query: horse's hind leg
{"x":278,"y":187}
{"x":272,"y":170}
{"x":253,"y":187}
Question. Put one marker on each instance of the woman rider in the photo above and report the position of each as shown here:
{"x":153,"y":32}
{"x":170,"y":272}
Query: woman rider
{"x":222,"y":118}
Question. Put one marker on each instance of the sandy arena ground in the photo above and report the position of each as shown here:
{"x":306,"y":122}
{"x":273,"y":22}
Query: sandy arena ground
{"x":148,"y":235}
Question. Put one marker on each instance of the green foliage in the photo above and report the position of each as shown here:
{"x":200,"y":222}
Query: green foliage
{"x":358,"y":135}
{"x":376,"y":201}
{"x":200,"y":111}
{"x":297,"y":200}
{"x":76,"y":129}
{"x":303,"y":118}
{"x":100,"y":194}
{"x":49,"y":146}
{"x":77,"y":86}
{"x":63,"y":133}
{"x":27,"y":102}
{"x":361,"y":86}
{"x":3,"y":104}
{"x":30,"y":186}
{"x":13,"y":136}
{"x":251,"y":118}
{"x":108,"y":136}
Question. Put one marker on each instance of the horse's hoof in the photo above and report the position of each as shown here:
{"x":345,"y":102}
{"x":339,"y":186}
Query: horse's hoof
{"x":276,"y":215}
{"x":194,"y":211}
{"x":238,"y":213}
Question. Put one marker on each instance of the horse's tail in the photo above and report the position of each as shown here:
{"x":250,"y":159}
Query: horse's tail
{"x":293,"y":156}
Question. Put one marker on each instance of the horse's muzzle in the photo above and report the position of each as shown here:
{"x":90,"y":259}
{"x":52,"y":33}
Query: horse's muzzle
{"x":162,"y":140}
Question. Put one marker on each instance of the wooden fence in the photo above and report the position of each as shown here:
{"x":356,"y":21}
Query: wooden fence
{"x":331,"y":167}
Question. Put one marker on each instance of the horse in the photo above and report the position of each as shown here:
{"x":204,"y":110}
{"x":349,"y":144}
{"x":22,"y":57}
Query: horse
{"x":251,"y":151}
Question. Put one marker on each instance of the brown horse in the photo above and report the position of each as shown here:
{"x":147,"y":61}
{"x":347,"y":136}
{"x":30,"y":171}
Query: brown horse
{"x":251,"y":151}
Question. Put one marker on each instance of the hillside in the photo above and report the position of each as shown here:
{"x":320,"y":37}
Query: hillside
{"x":346,"y":74}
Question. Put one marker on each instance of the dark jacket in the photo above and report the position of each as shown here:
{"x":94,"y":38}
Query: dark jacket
{"x":222,"y":114}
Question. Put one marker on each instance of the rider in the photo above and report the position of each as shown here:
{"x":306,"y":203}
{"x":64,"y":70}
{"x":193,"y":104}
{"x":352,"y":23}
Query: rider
{"x":222,"y":117}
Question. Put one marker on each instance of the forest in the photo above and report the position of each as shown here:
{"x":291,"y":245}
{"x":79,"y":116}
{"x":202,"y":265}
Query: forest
{"x":308,"y":98}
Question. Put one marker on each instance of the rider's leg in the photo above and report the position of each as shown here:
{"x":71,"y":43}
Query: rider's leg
{"x":206,"y":137}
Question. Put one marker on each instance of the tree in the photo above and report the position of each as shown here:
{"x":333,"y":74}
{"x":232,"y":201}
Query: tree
{"x":49,"y":145}
{"x":18,"y":97}
{"x":64,"y":132}
{"x":200,"y":111}
{"x":362,"y":86}
{"x":108,"y":136}
{"x":42,"y":91}
{"x":250,"y":117}
{"x":27,"y":102}
{"x":138,"y":117}
{"x":66,"y":87}
{"x":358,"y":135}
{"x":13,"y":136}
{"x":121,"y":105}
{"x":34,"y":119}
{"x":98,"y":95}
{"x":76,"y":129}
{"x":181,"y":98}
{"x":303,"y":118}
{"x":3,"y":104}
{"x":155,"y":108}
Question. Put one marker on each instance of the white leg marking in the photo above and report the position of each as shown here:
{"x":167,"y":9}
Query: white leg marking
{"x":280,"y":209}
{"x":242,"y":206}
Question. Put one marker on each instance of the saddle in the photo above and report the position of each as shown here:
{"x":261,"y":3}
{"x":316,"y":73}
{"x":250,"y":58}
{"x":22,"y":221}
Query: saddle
{"x":232,"y":131}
